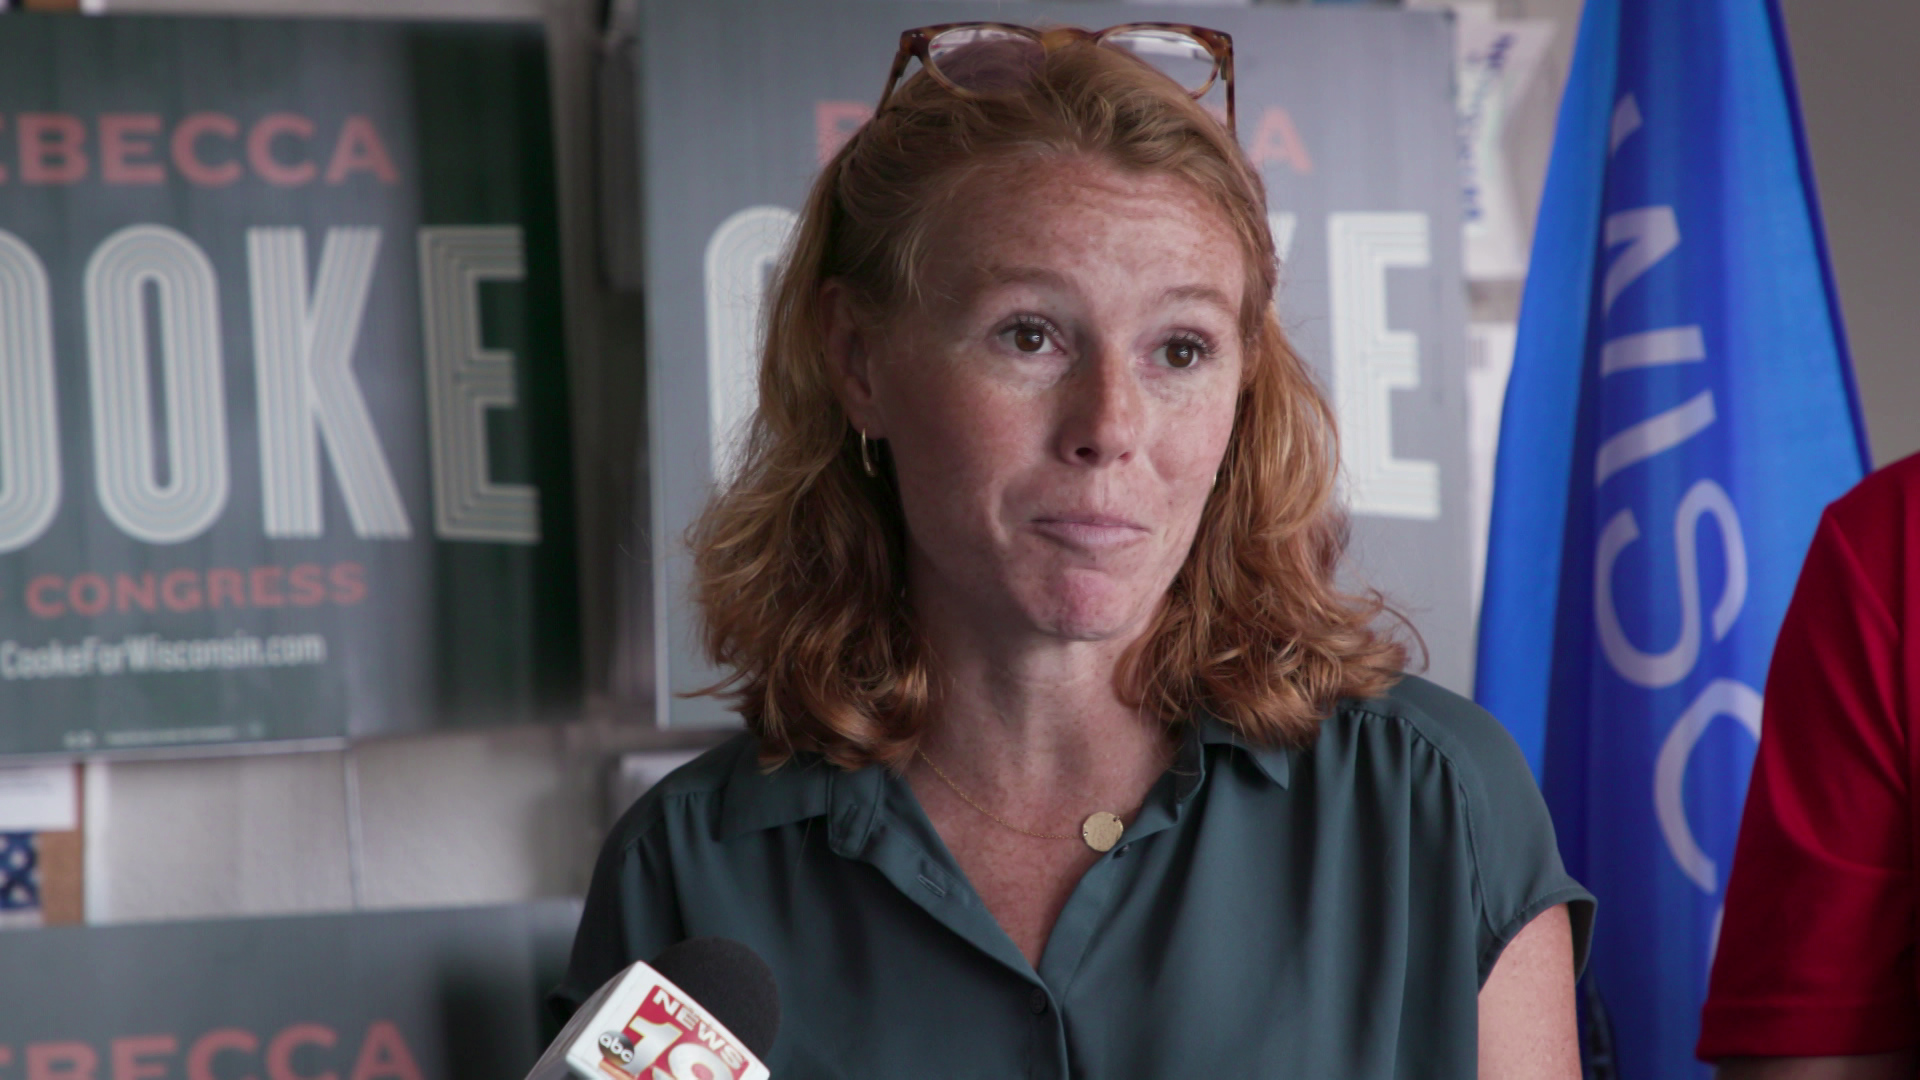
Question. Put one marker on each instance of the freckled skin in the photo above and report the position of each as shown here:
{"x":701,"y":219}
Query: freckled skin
{"x":1055,"y":412}
{"x":988,"y":438}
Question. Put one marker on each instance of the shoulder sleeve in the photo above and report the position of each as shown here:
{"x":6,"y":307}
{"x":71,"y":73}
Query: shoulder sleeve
{"x":633,"y":909}
{"x":631,"y":912}
{"x":1517,"y":865}
{"x":1816,"y":952}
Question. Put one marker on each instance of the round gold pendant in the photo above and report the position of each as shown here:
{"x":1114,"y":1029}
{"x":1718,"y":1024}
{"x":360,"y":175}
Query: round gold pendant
{"x":1101,"y":831}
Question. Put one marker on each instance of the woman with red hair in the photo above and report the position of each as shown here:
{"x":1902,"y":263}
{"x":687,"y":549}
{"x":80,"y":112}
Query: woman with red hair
{"x":1066,"y":754}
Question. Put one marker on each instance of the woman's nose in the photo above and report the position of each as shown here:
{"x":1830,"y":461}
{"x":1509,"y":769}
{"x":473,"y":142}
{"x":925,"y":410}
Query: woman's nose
{"x":1102,"y":415}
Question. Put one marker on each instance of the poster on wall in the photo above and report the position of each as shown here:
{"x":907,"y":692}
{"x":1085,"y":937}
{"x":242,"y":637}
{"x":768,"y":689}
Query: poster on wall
{"x":283,"y":429}
{"x":387,"y":995}
{"x":1349,"y":116}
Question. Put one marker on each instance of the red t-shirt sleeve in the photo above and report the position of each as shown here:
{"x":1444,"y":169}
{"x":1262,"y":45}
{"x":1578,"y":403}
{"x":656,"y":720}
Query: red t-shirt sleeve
{"x":1816,"y":951}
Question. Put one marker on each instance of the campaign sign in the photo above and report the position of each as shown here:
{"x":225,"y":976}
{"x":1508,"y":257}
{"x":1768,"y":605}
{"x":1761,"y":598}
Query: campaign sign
{"x":414,"y":995}
{"x":283,"y":438}
{"x":1349,"y":116}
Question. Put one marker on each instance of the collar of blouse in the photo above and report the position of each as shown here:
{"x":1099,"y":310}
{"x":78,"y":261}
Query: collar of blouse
{"x":809,"y":787}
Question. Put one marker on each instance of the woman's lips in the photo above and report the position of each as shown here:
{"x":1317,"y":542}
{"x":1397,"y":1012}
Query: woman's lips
{"x":1090,"y":531}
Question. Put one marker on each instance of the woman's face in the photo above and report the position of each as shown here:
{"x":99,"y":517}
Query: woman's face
{"x":1059,"y":401}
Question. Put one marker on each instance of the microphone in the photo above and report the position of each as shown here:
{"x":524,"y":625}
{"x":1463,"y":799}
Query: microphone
{"x":705,"y":1009}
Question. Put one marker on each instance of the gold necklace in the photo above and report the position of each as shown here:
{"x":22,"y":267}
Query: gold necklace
{"x":1101,"y":831}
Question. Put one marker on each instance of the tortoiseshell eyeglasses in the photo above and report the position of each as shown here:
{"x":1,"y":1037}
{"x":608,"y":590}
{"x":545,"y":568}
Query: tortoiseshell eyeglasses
{"x":981,"y":59}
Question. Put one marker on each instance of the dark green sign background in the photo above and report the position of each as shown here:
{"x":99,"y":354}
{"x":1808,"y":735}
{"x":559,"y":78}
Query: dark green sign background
{"x":393,"y":995}
{"x":210,"y":203}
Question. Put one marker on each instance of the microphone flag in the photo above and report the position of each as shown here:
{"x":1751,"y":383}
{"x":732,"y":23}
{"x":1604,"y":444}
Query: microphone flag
{"x":1680,"y":411}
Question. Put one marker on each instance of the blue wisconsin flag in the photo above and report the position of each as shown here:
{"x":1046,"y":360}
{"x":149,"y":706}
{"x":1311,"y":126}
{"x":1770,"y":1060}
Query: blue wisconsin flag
{"x":1681,"y":409}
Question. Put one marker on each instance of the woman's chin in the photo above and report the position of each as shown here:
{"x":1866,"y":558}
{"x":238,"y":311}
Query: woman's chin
{"x":1089,"y":615}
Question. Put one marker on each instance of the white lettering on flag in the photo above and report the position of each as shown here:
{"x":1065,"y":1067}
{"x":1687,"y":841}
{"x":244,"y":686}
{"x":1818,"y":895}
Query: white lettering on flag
{"x":1652,"y":348}
{"x":1655,"y":670}
{"x":1654,"y":435}
{"x":1722,"y":697}
{"x":1626,"y":121}
{"x":1650,"y":234}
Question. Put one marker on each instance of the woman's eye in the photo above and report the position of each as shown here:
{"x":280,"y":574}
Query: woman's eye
{"x":1031,"y":336}
{"x":1029,"y":339}
{"x":1183,"y":353}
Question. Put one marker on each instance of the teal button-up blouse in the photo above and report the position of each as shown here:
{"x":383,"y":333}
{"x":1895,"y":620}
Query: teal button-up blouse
{"x":1326,"y":913}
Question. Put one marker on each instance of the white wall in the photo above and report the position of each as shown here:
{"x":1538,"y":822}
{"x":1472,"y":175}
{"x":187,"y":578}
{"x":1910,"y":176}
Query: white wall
{"x":1858,"y":83}
{"x":435,"y":820}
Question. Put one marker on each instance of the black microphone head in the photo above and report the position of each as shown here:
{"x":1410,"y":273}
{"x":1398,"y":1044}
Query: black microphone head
{"x":730,"y":981}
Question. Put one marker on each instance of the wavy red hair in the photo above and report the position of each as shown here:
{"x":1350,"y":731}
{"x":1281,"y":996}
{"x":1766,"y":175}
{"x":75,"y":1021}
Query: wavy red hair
{"x":800,"y":559}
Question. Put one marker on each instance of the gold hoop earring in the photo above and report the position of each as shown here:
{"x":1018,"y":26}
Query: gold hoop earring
{"x":866,"y":456}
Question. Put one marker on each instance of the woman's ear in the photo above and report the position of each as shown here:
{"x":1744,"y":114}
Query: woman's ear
{"x":850,"y":342}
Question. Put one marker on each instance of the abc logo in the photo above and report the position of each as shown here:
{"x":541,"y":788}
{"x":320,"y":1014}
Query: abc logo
{"x":615,"y":1045}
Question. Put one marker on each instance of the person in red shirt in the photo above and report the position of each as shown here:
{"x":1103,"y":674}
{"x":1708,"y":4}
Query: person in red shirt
{"x":1815,"y":974}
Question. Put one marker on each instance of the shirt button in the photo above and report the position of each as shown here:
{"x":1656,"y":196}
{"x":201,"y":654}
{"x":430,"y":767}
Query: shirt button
{"x":1037,"y":1001}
